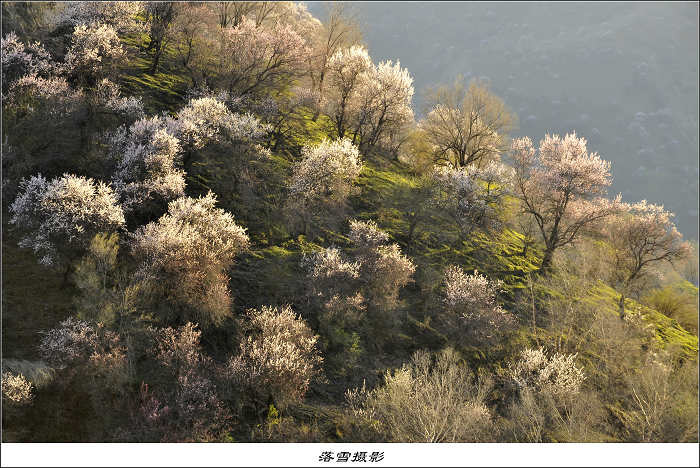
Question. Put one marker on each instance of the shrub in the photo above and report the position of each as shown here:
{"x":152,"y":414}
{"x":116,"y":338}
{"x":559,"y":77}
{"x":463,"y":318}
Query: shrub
{"x":279,"y":360}
{"x":427,"y":400}
{"x":16,"y":389}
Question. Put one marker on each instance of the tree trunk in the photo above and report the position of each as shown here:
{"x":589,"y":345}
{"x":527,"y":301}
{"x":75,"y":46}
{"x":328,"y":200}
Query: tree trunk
{"x":621,"y":306}
{"x":156,"y":60}
{"x":546,"y":266}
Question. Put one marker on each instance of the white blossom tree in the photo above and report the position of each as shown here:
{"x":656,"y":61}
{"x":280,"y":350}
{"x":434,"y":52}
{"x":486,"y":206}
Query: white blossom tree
{"x":472,"y":197}
{"x":279,"y":360}
{"x":108,"y":97}
{"x":122,"y":16}
{"x":384,"y":270}
{"x":560,"y":186}
{"x":345,"y":68}
{"x":383,"y":109}
{"x":370,"y":104}
{"x":206,"y":121}
{"x":324,"y":177}
{"x":344,"y":288}
{"x":20,"y":60}
{"x":184,"y":257}
{"x":337,"y":32}
{"x":96,"y":52}
{"x":148,"y":160}
{"x":472,"y":309}
{"x":556,"y":374}
{"x":61,"y":216}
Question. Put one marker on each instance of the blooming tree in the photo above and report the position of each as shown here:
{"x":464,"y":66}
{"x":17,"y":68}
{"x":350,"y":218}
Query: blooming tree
{"x":383,"y":107}
{"x":108,"y":95}
{"x":345,"y":69}
{"x":95,"y":52}
{"x":371,"y":104}
{"x":343,"y":288}
{"x":122,"y":16}
{"x":466,"y":126}
{"x":641,"y":235}
{"x":147,"y":163}
{"x":52,"y":96}
{"x":280,"y":360}
{"x":252,"y":58}
{"x":79,"y":347}
{"x":20,"y":60}
{"x":560,"y":187}
{"x":207,"y":122}
{"x":185,"y":255}
{"x":16,"y":388}
{"x":427,"y":400}
{"x":190,"y":407}
{"x":324,"y":175}
{"x":337,"y":32}
{"x":556,"y":374}
{"x":207,"y":119}
{"x":384,"y":270}
{"x":471,"y":196}
{"x":62,"y":215}
{"x":471,"y":302}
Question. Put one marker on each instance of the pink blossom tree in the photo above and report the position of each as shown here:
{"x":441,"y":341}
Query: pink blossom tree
{"x":252,"y":58}
{"x":641,"y":235}
{"x":560,"y":186}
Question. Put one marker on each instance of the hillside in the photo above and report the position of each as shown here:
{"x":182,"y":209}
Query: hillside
{"x":232,"y":222}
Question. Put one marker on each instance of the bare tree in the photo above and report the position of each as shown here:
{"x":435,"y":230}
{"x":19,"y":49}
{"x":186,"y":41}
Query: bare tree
{"x":466,"y":125}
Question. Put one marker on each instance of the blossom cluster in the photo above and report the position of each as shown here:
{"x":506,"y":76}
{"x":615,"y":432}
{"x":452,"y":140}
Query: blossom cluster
{"x":68,"y":210}
{"x":281,"y":359}
{"x":556,"y":374}
{"x":326,"y":170}
{"x":473,"y":297}
{"x":16,"y":388}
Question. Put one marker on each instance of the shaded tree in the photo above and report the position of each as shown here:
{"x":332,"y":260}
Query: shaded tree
{"x":640,"y":236}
